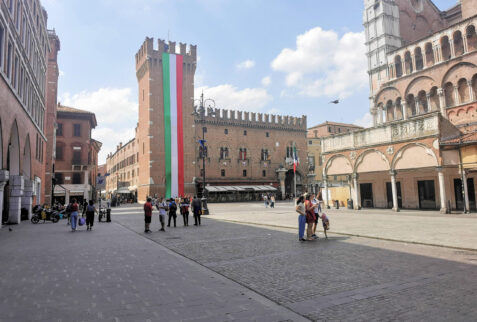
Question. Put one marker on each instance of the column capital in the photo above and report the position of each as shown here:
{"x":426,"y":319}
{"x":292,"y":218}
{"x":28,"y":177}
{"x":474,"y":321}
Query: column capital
{"x":392,"y":173}
{"x":4,"y":175}
{"x":440,"y":92}
{"x":469,"y":82}
{"x":439,"y":169}
{"x":355,"y":176}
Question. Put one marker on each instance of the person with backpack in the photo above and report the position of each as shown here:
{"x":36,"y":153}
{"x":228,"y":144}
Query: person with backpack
{"x":196,"y":209}
{"x":185,"y":210}
{"x":90,"y":210}
{"x":172,"y":212}
{"x":74,"y":214}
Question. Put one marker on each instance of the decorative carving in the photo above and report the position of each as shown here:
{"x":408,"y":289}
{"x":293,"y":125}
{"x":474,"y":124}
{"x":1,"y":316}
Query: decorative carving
{"x":352,"y":155}
{"x":390,"y":150}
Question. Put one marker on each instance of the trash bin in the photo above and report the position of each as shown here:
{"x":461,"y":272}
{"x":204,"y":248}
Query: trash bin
{"x":337,"y":204}
{"x":108,"y":215}
{"x":350,"y":203}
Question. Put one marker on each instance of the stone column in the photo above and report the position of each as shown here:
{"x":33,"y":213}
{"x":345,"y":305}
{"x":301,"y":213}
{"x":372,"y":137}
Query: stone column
{"x":375,"y":118}
{"x":404,"y":110}
{"x":394,"y":190}
{"x":67,"y":197}
{"x":456,"y":95}
{"x":325,"y":192}
{"x":442,"y":191}
{"x":16,"y":192}
{"x":437,"y":56}
{"x":429,"y":106}
{"x":281,"y":172}
{"x":464,"y":42}
{"x":27,"y":197}
{"x":471,"y":90}
{"x":380,"y":116}
{"x":413,"y":63}
{"x":466,"y":191}
{"x":357,"y":201}
{"x":394,"y":107}
{"x":417,"y":105}
{"x":442,"y":102}
{"x":4,"y":176}
{"x":424,"y":58}
{"x":452,"y":49}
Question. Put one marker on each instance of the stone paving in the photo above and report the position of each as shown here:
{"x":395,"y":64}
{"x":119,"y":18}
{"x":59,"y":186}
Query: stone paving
{"x":343,"y":278}
{"x":225,"y":271}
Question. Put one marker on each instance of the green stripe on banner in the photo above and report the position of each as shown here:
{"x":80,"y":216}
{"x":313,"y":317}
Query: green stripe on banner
{"x":167,"y":121}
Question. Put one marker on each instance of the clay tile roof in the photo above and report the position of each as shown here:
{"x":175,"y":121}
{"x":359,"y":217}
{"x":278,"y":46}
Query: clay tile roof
{"x":463,"y":139}
{"x":336,"y":123}
{"x":73,"y":110}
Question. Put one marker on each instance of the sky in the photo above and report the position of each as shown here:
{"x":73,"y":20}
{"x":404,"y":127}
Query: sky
{"x":288,"y":57}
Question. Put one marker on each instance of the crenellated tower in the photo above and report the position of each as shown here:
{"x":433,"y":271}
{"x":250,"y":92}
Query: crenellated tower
{"x":165,"y":77}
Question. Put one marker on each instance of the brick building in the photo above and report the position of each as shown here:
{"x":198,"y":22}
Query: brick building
{"x":76,"y":162}
{"x":247,"y":153}
{"x":24,"y":92}
{"x":423,"y":79}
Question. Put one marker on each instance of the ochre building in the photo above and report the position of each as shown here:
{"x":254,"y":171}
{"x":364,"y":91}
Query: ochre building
{"x":420,"y":153}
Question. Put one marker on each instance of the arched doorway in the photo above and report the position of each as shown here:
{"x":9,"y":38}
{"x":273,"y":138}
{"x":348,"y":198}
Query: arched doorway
{"x":290,"y":183}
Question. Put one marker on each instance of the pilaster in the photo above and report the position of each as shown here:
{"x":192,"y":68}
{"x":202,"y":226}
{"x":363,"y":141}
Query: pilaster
{"x":27,"y":197}
{"x":16,"y":192}
{"x":4,"y":176}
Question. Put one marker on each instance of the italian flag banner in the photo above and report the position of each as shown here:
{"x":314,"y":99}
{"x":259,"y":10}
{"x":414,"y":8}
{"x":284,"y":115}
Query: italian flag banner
{"x":173,"y":129}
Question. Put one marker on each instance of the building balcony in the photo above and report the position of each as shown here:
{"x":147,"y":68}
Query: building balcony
{"x":416,"y":128}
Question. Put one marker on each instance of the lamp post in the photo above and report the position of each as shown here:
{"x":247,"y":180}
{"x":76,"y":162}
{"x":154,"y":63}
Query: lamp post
{"x":200,"y":113}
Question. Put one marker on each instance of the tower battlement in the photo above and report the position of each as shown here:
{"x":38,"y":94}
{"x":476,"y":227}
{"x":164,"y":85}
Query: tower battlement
{"x":147,"y":50}
{"x":252,"y":119}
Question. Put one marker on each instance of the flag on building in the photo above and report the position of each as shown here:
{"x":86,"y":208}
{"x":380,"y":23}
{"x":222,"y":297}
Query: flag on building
{"x":173,"y":128}
{"x":295,"y":159}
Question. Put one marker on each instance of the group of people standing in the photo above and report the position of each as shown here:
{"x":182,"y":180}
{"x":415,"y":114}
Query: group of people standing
{"x":308,"y":207}
{"x":169,"y":207}
{"x":269,"y":200}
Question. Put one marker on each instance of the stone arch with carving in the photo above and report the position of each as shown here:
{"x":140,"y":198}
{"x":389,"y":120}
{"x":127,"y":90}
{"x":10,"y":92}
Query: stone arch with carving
{"x":337,"y":165}
{"x":420,"y":83}
{"x":371,"y":161}
{"x":386,"y":94}
{"x":414,"y":155}
{"x":460,"y":70}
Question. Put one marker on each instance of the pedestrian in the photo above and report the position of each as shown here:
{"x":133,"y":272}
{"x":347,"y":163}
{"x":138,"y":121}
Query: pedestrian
{"x":300,"y":209}
{"x":265,"y":199}
{"x":172,"y":212}
{"x":74,"y":214}
{"x":320,"y":201}
{"x":272,"y":201}
{"x":185,"y":210}
{"x":310,"y":216}
{"x":326,"y":224}
{"x":90,"y":210}
{"x":147,"y":215}
{"x":162,"y":207}
{"x":84,"y":205}
{"x":316,"y":205}
{"x":196,"y":209}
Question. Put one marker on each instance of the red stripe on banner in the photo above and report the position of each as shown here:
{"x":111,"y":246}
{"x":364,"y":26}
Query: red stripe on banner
{"x":180,"y":136}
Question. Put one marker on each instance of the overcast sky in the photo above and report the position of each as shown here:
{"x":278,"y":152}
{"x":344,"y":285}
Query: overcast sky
{"x":273,"y":56}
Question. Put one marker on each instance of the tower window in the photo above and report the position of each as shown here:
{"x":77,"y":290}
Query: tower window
{"x":226,"y":131}
{"x":244,"y":173}
{"x":264,"y":173}
{"x":244,"y":133}
{"x":267,"y":134}
{"x":222,"y":173}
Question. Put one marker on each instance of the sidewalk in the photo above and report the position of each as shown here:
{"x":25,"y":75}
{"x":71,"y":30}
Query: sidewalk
{"x":114,"y":274}
{"x":422,"y":227}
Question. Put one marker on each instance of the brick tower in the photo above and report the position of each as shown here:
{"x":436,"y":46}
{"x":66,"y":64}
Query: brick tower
{"x":166,"y":90}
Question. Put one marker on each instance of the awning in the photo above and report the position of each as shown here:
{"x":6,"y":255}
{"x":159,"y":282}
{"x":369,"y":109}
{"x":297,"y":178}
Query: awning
{"x":239,"y":188}
{"x":123,"y":190}
{"x":132,"y":188}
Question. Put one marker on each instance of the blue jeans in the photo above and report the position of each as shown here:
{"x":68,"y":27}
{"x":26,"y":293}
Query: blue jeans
{"x":74,"y":219}
{"x":301,"y":226}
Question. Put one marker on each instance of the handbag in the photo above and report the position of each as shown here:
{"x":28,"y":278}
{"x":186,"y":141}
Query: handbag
{"x":81,"y":221}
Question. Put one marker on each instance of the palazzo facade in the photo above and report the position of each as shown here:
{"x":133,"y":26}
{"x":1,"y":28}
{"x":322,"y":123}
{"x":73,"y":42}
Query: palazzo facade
{"x":420,"y":152}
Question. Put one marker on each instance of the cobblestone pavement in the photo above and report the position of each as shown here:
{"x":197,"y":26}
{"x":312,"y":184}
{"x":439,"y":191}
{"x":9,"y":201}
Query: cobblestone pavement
{"x":427,"y":227}
{"x":114,"y":274}
{"x":344,"y":278}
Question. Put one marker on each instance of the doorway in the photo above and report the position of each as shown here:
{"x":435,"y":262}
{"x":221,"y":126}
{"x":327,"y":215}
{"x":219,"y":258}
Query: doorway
{"x":366,"y":192}
{"x":389,"y":193}
{"x":427,"y":194}
{"x":459,"y":195}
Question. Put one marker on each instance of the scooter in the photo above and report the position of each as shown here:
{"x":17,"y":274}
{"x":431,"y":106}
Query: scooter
{"x":43,"y":213}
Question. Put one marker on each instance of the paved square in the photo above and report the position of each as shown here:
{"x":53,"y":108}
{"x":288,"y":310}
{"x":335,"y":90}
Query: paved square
{"x":227,"y":271}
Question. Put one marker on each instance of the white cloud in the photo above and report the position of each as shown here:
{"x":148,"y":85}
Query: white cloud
{"x":247,"y":64}
{"x":324,"y":64}
{"x":229,"y":97}
{"x":116,"y":113}
{"x":266,"y":81}
{"x":365,"y":121}
{"x":61,"y":73}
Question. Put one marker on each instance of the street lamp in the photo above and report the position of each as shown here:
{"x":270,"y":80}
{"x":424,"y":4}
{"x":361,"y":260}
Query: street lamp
{"x":200,"y":113}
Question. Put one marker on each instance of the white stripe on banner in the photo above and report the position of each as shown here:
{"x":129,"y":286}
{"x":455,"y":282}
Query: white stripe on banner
{"x":174,"y":151}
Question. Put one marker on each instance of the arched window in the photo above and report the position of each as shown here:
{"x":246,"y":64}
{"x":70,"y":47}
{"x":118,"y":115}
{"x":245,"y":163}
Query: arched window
{"x":471,"y":38}
{"x":264,"y":155}
{"x":398,"y":108}
{"x":242,"y":154}
{"x":449,"y":94}
{"x":429,"y":54}
{"x":445,"y":48}
{"x":398,"y":66}
{"x":463,"y":90}
{"x":389,"y":111}
{"x":418,"y":58}
{"x":422,"y":99}
{"x":224,"y":153}
{"x":458,"y":43}
{"x":474,"y":86}
{"x":408,"y":63}
{"x":411,"y":104}
{"x":434,"y":98}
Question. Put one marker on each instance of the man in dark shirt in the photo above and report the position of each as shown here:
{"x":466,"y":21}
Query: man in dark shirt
{"x":147,"y":215}
{"x":196,"y":208}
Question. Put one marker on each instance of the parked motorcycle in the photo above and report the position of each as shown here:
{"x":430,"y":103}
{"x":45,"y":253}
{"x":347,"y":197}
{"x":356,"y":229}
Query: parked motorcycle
{"x":43,"y":213}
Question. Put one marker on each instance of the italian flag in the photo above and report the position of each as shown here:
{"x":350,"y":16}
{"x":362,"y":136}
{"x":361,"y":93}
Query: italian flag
{"x":173,"y":129}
